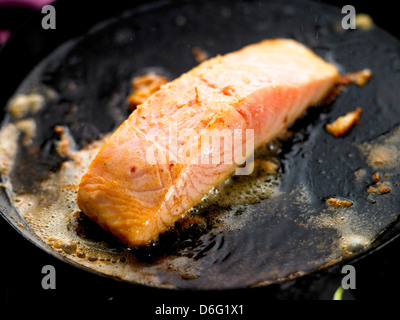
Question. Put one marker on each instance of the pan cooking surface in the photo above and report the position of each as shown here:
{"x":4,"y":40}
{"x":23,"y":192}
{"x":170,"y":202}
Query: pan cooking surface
{"x":255,"y":230}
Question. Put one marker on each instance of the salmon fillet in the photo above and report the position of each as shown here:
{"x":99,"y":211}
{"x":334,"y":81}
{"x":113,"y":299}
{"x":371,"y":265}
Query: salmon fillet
{"x":160,"y":162}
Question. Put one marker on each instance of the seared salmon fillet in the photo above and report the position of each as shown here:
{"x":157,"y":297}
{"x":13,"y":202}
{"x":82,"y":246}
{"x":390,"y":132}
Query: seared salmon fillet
{"x":160,"y":162}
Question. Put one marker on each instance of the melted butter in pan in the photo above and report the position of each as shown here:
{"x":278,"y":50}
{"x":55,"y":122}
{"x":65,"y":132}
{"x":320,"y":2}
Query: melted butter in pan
{"x":53,"y":214}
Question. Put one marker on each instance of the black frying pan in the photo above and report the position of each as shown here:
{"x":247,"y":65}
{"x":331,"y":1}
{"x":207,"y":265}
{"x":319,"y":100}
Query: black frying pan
{"x":299,"y":235}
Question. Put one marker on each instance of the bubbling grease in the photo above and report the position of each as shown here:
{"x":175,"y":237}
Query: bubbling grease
{"x":52,"y":212}
{"x":54,"y":215}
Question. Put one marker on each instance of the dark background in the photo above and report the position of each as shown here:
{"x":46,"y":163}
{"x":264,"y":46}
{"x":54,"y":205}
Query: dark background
{"x":21,"y":262}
